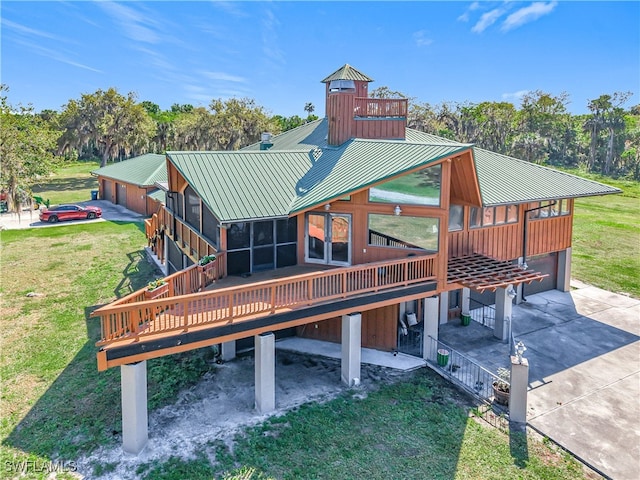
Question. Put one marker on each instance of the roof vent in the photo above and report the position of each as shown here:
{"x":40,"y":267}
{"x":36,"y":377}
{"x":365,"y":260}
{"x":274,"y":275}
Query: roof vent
{"x":265,"y":141}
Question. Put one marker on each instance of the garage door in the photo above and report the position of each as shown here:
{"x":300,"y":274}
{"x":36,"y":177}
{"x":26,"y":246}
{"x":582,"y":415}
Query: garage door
{"x":121,"y":194}
{"x":545,"y":264}
{"x":107,"y":193}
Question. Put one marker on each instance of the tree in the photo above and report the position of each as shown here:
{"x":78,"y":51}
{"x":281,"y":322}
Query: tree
{"x":542,"y":123}
{"x":194,"y":130}
{"x":27,"y":144}
{"x":238,"y":122}
{"x":607,"y":115}
{"x":107,"y":122}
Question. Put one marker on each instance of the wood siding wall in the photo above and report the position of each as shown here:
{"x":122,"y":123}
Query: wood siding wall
{"x":380,"y":128}
{"x":504,"y":242}
{"x":128,"y":195}
{"x":379,"y":329}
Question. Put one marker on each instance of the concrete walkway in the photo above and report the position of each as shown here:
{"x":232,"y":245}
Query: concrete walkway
{"x":583,"y":349}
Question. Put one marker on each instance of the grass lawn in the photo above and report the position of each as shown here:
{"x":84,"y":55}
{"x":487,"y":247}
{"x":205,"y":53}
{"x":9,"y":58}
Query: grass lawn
{"x":606,"y":238}
{"x":71,"y":183}
{"x":55,"y":404}
{"x":419,"y":428}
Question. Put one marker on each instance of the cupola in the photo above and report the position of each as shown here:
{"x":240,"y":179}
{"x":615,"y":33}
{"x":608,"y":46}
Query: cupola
{"x":351,"y":113}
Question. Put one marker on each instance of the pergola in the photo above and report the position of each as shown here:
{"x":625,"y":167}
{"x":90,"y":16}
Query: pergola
{"x":481,"y":273}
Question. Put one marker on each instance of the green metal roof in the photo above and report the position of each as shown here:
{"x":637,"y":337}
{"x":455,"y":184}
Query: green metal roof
{"x":300,"y":171}
{"x":505,"y":180}
{"x":244,"y":185}
{"x":158,"y":195}
{"x":359,"y":163}
{"x":304,"y":137}
{"x":143,"y":171}
{"x":347,"y":72}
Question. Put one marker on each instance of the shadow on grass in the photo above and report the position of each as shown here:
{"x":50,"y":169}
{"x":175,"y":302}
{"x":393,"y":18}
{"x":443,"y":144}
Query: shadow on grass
{"x":81,"y":409}
{"x":135,"y":274}
{"x":518,"y":445}
{"x":67,"y":184}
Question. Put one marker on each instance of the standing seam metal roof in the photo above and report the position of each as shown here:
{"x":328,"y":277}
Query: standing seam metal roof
{"x":287,"y":178}
{"x":143,"y":171}
{"x":243,"y":185}
{"x":347,"y":72}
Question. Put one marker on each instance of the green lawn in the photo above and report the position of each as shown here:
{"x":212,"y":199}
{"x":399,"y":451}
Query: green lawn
{"x":71,"y":183}
{"x":606,"y":238}
{"x":55,"y":404}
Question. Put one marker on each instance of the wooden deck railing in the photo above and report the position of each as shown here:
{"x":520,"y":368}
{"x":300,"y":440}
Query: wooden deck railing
{"x":380,"y":107}
{"x":181,"y":310}
{"x":190,"y":280}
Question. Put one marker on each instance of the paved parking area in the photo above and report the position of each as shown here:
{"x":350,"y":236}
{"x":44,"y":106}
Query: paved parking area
{"x":29,"y":218}
{"x":583,"y":349}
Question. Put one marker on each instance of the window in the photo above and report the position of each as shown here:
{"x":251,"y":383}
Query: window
{"x":192,"y":211}
{"x":404,"y":232}
{"x":549,"y":209}
{"x":210,"y":226}
{"x":238,"y":236}
{"x":456,"y":218}
{"x":261,"y":245}
{"x":419,"y":188}
{"x":342,"y":86}
{"x":489,"y":216}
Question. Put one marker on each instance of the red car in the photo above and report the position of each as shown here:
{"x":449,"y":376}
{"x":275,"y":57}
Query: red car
{"x":69,"y":212}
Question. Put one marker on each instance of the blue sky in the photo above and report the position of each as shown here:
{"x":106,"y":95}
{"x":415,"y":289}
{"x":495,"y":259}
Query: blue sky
{"x":278,"y":52}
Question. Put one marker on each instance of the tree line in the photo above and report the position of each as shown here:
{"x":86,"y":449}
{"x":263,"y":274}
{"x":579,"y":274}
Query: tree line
{"x":113,"y":127}
{"x":541,"y":130}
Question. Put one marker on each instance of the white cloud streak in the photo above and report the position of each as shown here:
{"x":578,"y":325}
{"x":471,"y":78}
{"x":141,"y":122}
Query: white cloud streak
{"x":527,"y":14}
{"x":421,"y":39}
{"x":27,"y":31}
{"x":136,"y":25}
{"x":487,"y":19}
{"x":225,"y":77}
{"x":465,"y":16}
{"x":515,"y":95}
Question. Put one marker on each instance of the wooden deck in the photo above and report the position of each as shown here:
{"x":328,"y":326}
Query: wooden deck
{"x":234,"y":300}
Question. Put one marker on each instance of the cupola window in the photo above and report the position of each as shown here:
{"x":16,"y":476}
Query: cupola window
{"x":342,"y":86}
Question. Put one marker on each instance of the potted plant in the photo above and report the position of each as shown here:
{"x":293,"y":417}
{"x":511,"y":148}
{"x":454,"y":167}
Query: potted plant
{"x":501,"y":386}
{"x":206,"y":262}
{"x":156,"y":288}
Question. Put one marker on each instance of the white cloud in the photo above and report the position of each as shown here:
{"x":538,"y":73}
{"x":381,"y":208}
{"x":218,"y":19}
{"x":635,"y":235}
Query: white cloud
{"x":56,"y":54}
{"x":136,"y":25}
{"x":465,"y":16}
{"x":517,"y":96}
{"x":487,"y":19}
{"x":27,"y":31}
{"x":270,"y":24}
{"x":527,"y":14}
{"x":421,"y":39}
{"x":226,"y":77}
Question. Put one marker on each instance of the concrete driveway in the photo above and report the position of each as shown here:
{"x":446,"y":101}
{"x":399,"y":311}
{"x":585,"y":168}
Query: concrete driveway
{"x":29,"y":218}
{"x":583,"y":349}
{"x":585,"y":375}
